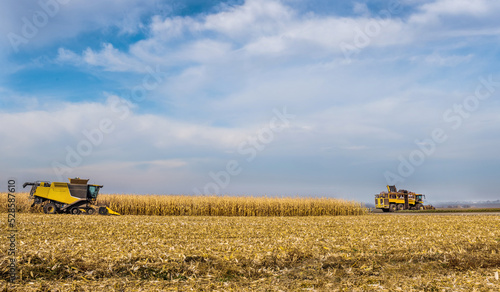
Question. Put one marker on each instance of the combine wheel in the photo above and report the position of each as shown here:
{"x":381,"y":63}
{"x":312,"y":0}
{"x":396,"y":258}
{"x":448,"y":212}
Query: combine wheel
{"x":401,"y":207}
{"x":392,"y":207}
{"x":50,"y":208}
{"x":90,"y":211}
{"x":419,"y":207}
{"x":75,"y":211}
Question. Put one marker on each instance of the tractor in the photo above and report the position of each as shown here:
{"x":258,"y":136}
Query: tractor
{"x":75,"y":197}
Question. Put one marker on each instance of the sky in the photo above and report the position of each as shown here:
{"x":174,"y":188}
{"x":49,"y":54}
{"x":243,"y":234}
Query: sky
{"x":257,"y":97}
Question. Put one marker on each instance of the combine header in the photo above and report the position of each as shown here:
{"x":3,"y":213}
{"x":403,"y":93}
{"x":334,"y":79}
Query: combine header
{"x":75,"y":197}
{"x":394,"y":200}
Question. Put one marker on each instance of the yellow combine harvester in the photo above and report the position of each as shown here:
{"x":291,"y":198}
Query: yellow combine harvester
{"x":75,"y":197}
{"x":394,"y":200}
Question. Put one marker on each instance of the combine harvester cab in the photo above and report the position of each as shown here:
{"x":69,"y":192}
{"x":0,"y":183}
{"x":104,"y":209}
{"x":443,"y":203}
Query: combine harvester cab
{"x":394,"y":200}
{"x":75,"y":197}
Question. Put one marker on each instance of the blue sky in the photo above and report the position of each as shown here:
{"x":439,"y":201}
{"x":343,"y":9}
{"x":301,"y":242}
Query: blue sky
{"x":277,"y":98}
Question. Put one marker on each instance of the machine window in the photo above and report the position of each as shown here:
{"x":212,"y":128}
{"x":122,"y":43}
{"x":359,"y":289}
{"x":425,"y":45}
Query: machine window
{"x":93,"y":191}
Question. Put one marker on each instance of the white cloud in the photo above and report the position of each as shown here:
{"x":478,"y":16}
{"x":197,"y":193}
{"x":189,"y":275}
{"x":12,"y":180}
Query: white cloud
{"x":67,"y":56}
{"x":361,"y":9}
{"x":460,"y":7}
{"x":450,"y":61}
{"x":112,"y":59}
{"x":271,"y":29}
{"x":256,"y":18}
{"x":450,"y":18}
{"x":42,"y":135}
{"x":255,"y":28}
{"x":62,"y":21}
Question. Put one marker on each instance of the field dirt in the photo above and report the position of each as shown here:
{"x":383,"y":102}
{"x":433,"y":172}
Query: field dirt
{"x":323,"y":253}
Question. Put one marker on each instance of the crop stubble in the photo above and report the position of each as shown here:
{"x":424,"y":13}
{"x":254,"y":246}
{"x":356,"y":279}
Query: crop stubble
{"x":325,"y":253}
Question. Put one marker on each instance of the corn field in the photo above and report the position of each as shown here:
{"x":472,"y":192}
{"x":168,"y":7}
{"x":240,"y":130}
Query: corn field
{"x":23,"y":203}
{"x":228,"y":206}
{"x":178,"y":205}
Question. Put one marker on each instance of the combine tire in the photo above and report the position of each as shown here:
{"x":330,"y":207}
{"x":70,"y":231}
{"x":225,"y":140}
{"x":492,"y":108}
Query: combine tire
{"x":90,"y":211}
{"x":401,"y":207}
{"x":75,"y":211}
{"x":419,"y":207}
{"x":392,"y":207}
{"x":103,"y":211}
{"x":50,"y":208}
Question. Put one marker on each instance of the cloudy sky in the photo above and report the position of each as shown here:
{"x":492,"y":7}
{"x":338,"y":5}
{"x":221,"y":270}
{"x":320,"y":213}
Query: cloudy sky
{"x":256,"y":97}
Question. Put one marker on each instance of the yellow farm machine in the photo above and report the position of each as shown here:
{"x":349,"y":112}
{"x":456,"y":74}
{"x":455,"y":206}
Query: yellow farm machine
{"x":75,"y":197}
{"x":395,"y":200}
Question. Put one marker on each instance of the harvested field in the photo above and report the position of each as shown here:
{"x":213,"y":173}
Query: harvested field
{"x":322,"y":253}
